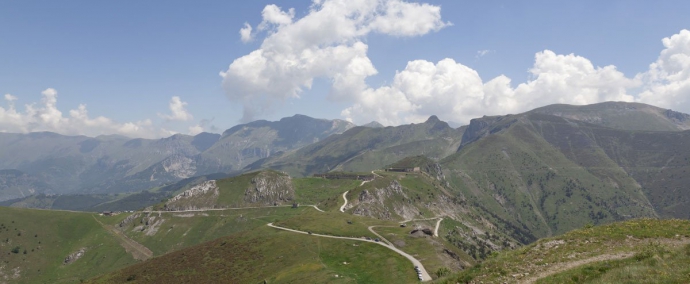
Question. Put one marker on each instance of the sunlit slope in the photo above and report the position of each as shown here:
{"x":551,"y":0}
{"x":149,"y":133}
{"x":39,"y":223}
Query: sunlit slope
{"x":258,"y":189}
{"x":275,"y":256}
{"x":35,"y":245}
{"x":543,"y":176}
{"x":635,"y":251}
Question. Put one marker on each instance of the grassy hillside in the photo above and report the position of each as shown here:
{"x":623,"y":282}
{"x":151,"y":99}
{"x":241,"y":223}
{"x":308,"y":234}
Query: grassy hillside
{"x":635,"y":251}
{"x":34,"y":245}
{"x":167,"y":234}
{"x":324,"y":193}
{"x":543,"y":175}
{"x":274,"y":256}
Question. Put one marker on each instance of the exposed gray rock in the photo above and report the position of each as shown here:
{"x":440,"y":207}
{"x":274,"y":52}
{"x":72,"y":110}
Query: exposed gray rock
{"x":74,"y":256}
{"x":129,"y":219}
{"x":270,"y":188}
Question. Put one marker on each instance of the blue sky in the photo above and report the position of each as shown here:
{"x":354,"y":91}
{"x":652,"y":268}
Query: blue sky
{"x":126,"y":60}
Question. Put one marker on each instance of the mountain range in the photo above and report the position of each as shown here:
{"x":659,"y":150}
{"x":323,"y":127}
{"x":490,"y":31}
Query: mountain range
{"x":499,"y":183}
{"x":51,"y":163}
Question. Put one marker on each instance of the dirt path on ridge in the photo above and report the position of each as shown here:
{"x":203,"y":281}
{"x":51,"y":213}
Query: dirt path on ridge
{"x":558,"y":268}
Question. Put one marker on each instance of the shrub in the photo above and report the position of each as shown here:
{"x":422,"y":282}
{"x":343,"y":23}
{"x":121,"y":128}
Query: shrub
{"x":443,"y":271}
{"x":15,"y":249}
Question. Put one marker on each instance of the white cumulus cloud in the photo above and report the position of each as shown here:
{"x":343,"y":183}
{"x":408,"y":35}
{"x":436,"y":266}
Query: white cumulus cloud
{"x":667,"y":83}
{"x":326,"y":43}
{"x":329,"y":42}
{"x":196,"y":129}
{"x":178,"y":111}
{"x":246,"y":33}
{"x":456,"y":92}
{"x":10,"y":98}
{"x":273,"y":15}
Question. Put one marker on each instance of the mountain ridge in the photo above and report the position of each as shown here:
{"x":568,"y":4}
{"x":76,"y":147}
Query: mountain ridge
{"x":113,"y":163}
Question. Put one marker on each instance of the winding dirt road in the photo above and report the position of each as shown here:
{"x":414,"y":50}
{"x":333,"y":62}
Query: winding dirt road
{"x":371,"y":229}
{"x":415,"y":262}
{"x":342,"y":208}
{"x":438,"y":224}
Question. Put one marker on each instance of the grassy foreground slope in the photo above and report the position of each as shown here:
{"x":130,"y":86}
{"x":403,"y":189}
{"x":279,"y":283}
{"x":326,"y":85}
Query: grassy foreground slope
{"x":35,"y":245}
{"x":273,"y":255}
{"x":634,"y":251}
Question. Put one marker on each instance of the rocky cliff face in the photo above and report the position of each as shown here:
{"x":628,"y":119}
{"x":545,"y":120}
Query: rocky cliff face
{"x":201,"y":196}
{"x":385,"y":203}
{"x":270,"y":188}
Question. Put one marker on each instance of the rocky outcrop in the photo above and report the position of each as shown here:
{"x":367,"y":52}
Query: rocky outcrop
{"x":384,"y":203}
{"x":270,"y":188}
{"x":74,"y":256}
{"x":151,"y":224}
{"x":677,"y":116}
{"x":129,"y":219}
{"x":201,"y":196}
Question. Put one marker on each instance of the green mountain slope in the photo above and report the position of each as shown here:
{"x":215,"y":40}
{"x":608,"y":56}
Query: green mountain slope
{"x":176,"y":235}
{"x":544,"y":174}
{"x":40,"y":246}
{"x":364,"y":149}
{"x":274,"y":256}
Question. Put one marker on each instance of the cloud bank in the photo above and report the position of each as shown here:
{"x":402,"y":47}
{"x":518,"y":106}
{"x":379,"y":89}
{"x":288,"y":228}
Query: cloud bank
{"x":326,"y":43}
{"x":329,"y":42}
{"x":45,"y":116}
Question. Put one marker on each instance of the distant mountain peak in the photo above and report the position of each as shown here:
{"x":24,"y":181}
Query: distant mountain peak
{"x":373,"y":124}
{"x":298,"y":116}
{"x":432,"y":119}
